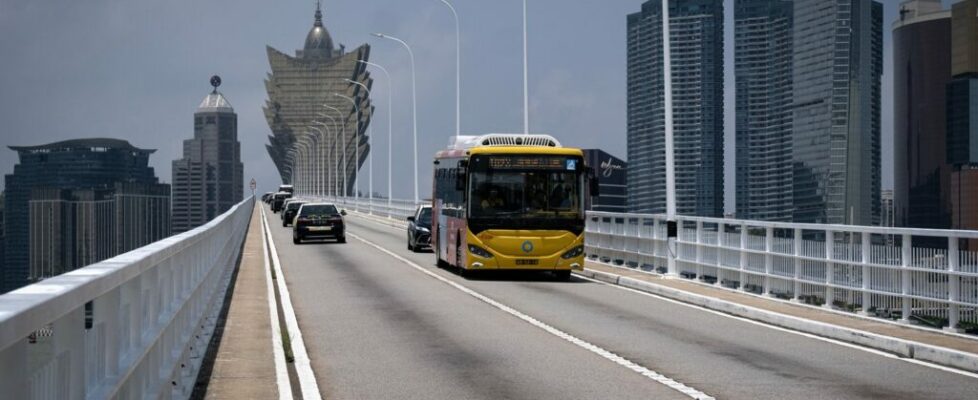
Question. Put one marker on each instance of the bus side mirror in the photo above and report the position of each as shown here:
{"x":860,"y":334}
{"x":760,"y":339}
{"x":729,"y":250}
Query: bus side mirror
{"x":463,"y":167}
{"x":593,"y":185}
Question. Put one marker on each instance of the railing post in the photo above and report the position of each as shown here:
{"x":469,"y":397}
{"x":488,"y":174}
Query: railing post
{"x":867,"y":297}
{"x":743,"y":257}
{"x":721,"y":245}
{"x":829,"y":268}
{"x":768,"y":259}
{"x":905,"y":277}
{"x":798,"y":243}
{"x":954,"y":284}
{"x":69,"y":340}
{"x":699,"y":250}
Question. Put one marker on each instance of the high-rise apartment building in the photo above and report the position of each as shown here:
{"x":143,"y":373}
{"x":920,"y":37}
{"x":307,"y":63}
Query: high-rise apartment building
{"x":921,"y":71}
{"x":72,"y":228}
{"x":763,"y":65}
{"x":70,"y":193}
{"x":836,"y":143}
{"x":208,"y":180}
{"x":303,"y":105}
{"x":696,"y":40}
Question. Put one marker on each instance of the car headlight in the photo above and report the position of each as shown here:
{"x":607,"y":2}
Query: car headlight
{"x":423,"y":230}
{"x":575,"y":252}
{"x":479,"y":251}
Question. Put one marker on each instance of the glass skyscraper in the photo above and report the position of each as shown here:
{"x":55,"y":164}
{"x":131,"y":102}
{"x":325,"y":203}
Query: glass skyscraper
{"x":763,"y":65}
{"x":836,"y":73}
{"x":302,"y":105}
{"x":921,"y":71}
{"x":73,"y":203}
{"x":696,"y":40}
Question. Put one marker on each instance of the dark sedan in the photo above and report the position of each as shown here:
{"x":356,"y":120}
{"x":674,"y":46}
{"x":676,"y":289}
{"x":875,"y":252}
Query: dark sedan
{"x":290,"y":210}
{"x":319,"y":221}
{"x":419,"y":229}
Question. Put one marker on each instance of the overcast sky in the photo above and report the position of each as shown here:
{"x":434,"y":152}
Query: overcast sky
{"x":137,"y":70}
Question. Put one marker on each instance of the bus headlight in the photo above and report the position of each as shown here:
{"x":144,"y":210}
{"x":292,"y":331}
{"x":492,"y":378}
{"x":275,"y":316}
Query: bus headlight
{"x":575,"y":252}
{"x":479,"y":251}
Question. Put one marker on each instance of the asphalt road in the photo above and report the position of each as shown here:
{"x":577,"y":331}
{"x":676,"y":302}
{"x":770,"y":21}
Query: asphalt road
{"x":377,"y":328}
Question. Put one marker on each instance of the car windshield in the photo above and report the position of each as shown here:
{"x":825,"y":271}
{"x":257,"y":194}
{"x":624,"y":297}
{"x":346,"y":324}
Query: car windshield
{"x":425,"y":217}
{"x":294,"y":206}
{"x":318,"y":211}
{"x":525,"y":195}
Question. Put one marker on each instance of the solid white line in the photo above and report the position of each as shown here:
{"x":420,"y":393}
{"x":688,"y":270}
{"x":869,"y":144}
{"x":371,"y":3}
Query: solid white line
{"x":303,"y":369}
{"x":655,"y":376}
{"x":786,"y":330}
{"x":281,"y":372}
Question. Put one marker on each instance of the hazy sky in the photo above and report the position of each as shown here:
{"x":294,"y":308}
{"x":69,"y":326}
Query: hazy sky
{"x":137,"y":70}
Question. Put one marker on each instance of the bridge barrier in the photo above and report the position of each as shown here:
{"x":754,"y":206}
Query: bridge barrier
{"x":133,"y":326}
{"x":924,"y":276}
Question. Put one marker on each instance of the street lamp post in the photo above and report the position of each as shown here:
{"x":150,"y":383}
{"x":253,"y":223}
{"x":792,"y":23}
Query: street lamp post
{"x":526,"y":77}
{"x":321,"y":159}
{"x":343,"y":173}
{"x":370,"y":156}
{"x":333,"y":176}
{"x":356,"y":145}
{"x":414,"y":105}
{"x":670,"y":155}
{"x":390,"y":129}
{"x":458,"y":69}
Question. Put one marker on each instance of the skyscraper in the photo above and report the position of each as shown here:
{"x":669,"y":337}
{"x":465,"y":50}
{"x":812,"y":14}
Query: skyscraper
{"x":208,"y":180}
{"x":921,"y":71}
{"x":696,"y":40}
{"x":65,"y":196}
{"x":612,"y":184}
{"x":836,"y":73}
{"x":302,"y":106}
{"x":962,"y":117}
{"x":763,"y":65}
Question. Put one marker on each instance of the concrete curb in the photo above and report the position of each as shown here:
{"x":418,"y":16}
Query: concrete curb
{"x":903,"y":348}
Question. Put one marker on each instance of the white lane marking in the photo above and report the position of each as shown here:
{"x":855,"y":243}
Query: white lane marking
{"x":655,"y":376}
{"x":786,"y":330}
{"x":303,"y":369}
{"x":281,"y":373}
{"x":758,"y":323}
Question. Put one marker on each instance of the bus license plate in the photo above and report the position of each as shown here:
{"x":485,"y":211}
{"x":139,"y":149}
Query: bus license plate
{"x":527,"y":262}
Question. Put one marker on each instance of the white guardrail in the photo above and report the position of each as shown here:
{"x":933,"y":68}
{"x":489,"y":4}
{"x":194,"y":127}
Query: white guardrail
{"x":924,"y":276}
{"x":928,"y":276}
{"x":135,"y":326}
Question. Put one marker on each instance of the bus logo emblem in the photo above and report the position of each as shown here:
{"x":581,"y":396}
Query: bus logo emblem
{"x":527,"y":246}
{"x":571,"y":165}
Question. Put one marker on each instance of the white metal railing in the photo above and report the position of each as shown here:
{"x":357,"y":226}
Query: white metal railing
{"x":921,"y":275}
{"x":393,"y":208}
{"x":133,"y":326}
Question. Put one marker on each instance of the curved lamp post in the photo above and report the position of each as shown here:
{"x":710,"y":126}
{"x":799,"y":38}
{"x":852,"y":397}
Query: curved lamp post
{"x":390,"y":129}
{"x":414,"y":105}
{"x":356,"y":145}
{"x":370,"y":156}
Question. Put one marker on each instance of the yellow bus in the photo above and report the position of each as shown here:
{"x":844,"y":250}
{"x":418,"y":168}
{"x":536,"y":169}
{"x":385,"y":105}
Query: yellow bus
{"x":510,"y":202}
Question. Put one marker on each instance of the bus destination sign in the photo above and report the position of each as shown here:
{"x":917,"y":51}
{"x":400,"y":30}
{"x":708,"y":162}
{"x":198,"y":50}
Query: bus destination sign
{"x":529,"y":162}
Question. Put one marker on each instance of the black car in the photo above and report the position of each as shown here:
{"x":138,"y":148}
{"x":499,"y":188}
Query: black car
{"x":419,"y":229}
{"x":290,"y":210}
{"x":278,"y":200}
{"x":319,"y":221}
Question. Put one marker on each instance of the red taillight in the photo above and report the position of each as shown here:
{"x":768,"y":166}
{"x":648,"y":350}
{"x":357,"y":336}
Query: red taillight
{"x":301,"y":220}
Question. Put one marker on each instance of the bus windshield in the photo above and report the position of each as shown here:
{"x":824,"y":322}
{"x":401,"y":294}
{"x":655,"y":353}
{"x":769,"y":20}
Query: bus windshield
{"x":525,"y":194}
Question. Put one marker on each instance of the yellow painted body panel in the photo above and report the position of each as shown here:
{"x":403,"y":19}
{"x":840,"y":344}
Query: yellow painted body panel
{"x":508,"y":246}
